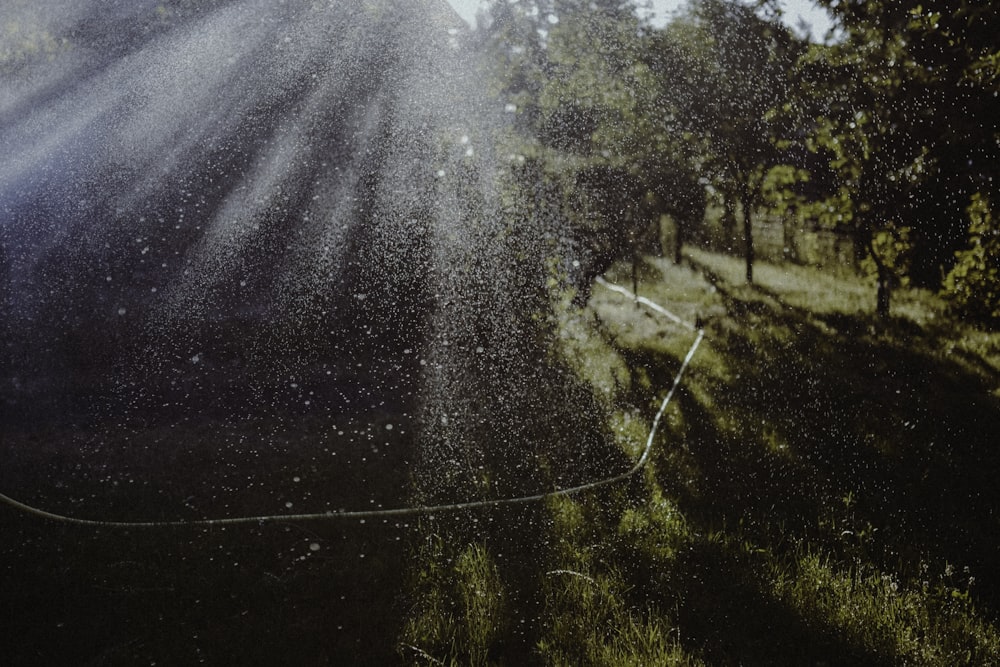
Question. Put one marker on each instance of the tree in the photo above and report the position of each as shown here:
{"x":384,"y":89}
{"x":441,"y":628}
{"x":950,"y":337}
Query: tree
{"x":909,"y":125}
{"x":572,"y":70}
{"x":672,"y":128}
{"x":725,"y":71}
{"x":512,"y":33}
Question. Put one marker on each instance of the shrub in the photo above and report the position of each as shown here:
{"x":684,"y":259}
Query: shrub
{"x":973,"y":285}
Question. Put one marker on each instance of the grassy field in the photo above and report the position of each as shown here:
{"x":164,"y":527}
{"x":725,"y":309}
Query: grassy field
{"x":822,"y":493}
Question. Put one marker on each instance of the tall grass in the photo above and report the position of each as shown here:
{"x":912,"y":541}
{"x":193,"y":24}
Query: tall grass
{"x":460,"y":611}
{"x":821,"y":490}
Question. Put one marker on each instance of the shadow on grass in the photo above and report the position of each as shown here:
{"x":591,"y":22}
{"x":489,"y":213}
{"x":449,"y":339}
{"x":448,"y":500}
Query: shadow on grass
{"x":899,"y":434}
{"x":277,"y":594}
{"x":727,"y":615}
{"x":870,"y":444}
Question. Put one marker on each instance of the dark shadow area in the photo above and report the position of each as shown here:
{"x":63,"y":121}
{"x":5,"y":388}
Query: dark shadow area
{"x":877,"y":446}
{"x":726,"y":615}
{"x":296,"y":594}
{"x":797,"y":432}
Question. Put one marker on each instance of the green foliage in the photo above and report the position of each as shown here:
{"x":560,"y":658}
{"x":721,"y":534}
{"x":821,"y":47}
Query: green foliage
{"x":786,"y":499}
{"x":586,"y":616}
{"x":723,"y":72}
{"x":793,"y":497}
{"x":658,"y":529}
{"x":973,"y":285}
{"x":583,"y":97}
{"x":24,"y":42}
{"x":928,"y":625}
{"x":892,"y":248}
{"x":460,"y":612}
{"x":907,"y":118}
{"x":774,"y":505}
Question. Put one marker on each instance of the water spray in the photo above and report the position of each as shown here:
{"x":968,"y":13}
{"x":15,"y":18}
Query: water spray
{"x":420,"y":509}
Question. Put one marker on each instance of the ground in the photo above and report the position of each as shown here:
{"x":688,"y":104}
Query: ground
{"x":820,"y":492}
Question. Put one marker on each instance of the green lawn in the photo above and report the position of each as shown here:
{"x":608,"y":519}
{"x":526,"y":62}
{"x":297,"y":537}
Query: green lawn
{"x":822,"y":491}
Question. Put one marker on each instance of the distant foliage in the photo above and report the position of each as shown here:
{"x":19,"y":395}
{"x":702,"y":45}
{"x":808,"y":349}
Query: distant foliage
{"x":23,"y":44}
{"x":973,"y":285}
{"x":893,"y":245}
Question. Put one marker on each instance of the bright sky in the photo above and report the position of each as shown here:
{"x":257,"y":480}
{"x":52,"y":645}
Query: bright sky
{"x":794,"y":11}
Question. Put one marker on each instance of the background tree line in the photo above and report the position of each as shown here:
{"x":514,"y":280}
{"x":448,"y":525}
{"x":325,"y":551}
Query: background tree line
{"x":886,"y":133}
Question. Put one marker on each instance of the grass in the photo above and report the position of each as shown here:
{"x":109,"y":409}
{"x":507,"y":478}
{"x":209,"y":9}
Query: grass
{"x":924,"y":626}
{"x":821,"y":490}
{"x":839,"y":454}
{"x":460,"y":612}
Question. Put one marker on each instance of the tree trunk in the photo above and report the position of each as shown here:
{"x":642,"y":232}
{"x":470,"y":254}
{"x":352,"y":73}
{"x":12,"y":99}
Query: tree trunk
{"x":678,"y":241}
{"x":788,"y":252}
{"x":882,"y":296}
{"x":635,"y":275}
{"x":729,"y":223}
{"x":883,"y":291}
{"x":748,"y":236}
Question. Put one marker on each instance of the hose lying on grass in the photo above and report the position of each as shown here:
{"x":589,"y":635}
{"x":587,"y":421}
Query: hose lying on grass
{"x":421,"y":509}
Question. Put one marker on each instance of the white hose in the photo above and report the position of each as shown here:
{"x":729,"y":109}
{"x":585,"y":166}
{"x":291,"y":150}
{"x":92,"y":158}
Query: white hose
{"x":407,"y":511}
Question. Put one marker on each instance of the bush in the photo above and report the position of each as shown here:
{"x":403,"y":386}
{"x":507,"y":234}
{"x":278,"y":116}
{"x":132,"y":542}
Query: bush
{"x":973,"y":285}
